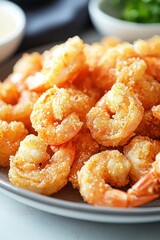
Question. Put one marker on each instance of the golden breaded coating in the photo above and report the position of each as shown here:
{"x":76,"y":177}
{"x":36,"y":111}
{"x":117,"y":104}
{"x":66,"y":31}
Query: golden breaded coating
{"x":11,"y":134}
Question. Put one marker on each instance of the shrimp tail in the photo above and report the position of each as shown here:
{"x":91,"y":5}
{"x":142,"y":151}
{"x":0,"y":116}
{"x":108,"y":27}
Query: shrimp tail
{"x":134,"y":201}
{"x":143,"y":191}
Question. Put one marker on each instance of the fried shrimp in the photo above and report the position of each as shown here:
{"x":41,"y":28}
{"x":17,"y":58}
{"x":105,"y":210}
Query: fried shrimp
{"x":9,"y":93}
{"x":92,"y":114}
{"x":104,"y":74}
{"x":11,"y":134}
{"x":32,"y":167}
{"x":21,"y":111}
{"x":85,"y":84}
{"x":132,"y":72}
{"x":141,"y":152}
{"x":26,"y":66}
{"x":149,"y":47}
{"x":156,"y":111}
{"x":115,"y":117}
{"x":149,"y":126}
{"x":58,"y":115}
{"x":93,"y":52}
{"x":148,"y":187}
{"x":153,"y":67}
{"x":149,"y":51}
{"x":111,"y":168}
{"x":61,"y":65}
{"x":85,"y":147}
{"x":98,"y":174}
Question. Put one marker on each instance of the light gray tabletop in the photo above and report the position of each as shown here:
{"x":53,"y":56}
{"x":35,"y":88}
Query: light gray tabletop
{"x":20,"y":222}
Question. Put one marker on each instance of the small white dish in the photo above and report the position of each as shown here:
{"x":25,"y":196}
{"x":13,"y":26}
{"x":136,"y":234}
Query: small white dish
{"x":106,"y":24}
{"x":12,"y":27}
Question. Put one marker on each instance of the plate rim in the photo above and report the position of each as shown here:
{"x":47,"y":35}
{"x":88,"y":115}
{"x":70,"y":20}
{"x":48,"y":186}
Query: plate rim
{"x":50,"y":200}
{"x":78,"y":211}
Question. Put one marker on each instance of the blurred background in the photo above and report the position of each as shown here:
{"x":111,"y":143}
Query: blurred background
{"x":52,"y":20}
{"x":49,"y":21}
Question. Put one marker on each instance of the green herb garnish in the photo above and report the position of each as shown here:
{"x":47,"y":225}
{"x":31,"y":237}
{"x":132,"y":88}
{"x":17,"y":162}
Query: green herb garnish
{"x":141,"y":11}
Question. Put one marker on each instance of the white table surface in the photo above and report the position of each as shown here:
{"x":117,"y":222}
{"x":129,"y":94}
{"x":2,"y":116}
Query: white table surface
{"x":20,"y":222}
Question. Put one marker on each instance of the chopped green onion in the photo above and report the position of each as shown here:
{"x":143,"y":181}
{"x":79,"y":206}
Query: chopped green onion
{"x":142,"y":11}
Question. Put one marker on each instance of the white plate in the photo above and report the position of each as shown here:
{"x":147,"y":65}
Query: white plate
{"x":68,"y":201}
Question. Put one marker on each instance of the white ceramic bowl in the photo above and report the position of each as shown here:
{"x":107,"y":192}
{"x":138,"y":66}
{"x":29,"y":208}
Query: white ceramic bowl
{"x":106,"y":24}
{"x":12,"y":27}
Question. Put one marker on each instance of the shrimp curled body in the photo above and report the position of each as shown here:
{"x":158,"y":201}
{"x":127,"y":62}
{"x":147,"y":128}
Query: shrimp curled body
{"x":115,"y":117}
{"x":149,"y":126}
{"x":60,"y":65}
{"x":85,"y":147}
{"x":11,"y":134}
{"x":141,"y":152}
{"x":58,"y":114}
{"x":33,"y":169}
{"x":102,"y":169}
{"x":156,"y":111}
{"x":21,"y":111}
{"x":148,"y":187}
{"x":112,"y":167}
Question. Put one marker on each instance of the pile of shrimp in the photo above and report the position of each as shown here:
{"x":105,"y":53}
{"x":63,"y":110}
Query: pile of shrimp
{"x":88,"y":114}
